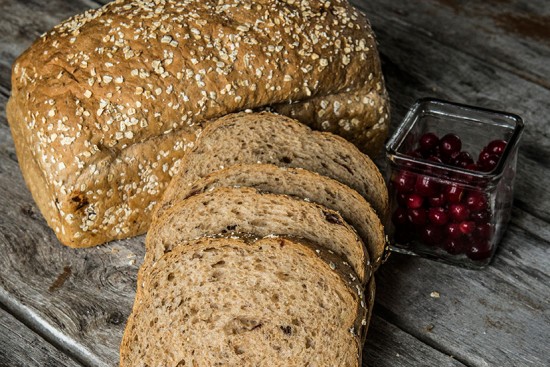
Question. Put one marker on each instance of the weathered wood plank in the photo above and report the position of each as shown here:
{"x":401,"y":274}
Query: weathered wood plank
{"x":20,"y":347}
{"x":388,"y":346}
{"x":496,"y":317}
{"x":511,"y":34}
{"x":24,"y":21}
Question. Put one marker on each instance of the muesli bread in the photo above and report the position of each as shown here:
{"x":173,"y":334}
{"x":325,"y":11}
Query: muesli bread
{"x":245,"y":138}
{"x":306,"y":185}
{"x":104,"y":105}
{"x":269,"y":302}
{"x":227,"y":211}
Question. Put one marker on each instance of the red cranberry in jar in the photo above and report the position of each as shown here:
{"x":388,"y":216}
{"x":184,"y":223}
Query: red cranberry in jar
{"x":417,"y":216}
{"x":404,"y":181}
{"x":454,"y":246}
{"x":453,"y":193}
{"x":438,"y":216}
{"x":428,"y":142}
{"x":480,"y":250}
{"x":459,"y":212}
{"x":426,"y":186}
{"x":496,"y":147}
{"x":476,"y":201}
{"x":450,"y":144}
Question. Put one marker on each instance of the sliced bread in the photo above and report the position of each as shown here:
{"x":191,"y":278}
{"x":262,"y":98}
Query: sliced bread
{"x":224,"y":301}
{"x":269,"y":138}
{"x":304,"y":184}
{"x":246,"y":210}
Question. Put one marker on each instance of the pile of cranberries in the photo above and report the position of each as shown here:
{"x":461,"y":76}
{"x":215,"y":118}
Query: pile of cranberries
{"x":442,"y":214}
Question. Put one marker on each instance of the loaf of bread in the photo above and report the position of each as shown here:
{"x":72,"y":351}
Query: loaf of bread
{"x":227,"y":302}
{"x":306,"y":185}
{"x":244,"y":138}
{"x":245,"y":210}
{"x":104,"y":106}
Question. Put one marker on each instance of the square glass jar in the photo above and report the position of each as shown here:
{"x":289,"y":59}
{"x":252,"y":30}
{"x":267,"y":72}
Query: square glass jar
{"x":445,"y":205}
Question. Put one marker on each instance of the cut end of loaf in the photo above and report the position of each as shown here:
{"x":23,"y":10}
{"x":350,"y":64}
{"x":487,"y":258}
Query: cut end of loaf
{"x":272,"y":302}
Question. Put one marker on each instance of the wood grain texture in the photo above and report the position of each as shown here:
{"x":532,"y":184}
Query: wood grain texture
{"x":499,"y":316}
{"x":388,"y":346}
{"x":510,"y":34}
{"x":20,"y":347}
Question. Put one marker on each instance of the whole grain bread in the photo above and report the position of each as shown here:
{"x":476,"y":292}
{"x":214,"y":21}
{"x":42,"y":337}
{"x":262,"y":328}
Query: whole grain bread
{"x":306,"y":185}
{"x":104,"y":105}
{"x":245,"y":210}
{"x":245,"y":138}
{"x":223,"y":301}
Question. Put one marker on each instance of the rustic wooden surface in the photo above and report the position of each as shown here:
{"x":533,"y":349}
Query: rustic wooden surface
{"x":490,"y":53}
{"x":25,"y":348}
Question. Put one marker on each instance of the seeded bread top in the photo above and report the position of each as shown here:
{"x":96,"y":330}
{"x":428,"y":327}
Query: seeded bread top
{"x":116,"y":76}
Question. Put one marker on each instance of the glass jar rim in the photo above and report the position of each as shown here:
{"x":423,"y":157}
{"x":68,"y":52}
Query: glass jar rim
{"x":421,"y":106}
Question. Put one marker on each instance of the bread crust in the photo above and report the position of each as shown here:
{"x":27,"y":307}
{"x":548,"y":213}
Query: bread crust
{"x":321,"y":262}
{"x":104,"y":105}
{"x":307,"y":185}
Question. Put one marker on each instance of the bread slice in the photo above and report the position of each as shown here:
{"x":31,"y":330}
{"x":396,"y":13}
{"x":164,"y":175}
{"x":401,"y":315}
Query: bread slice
{"x":246,"y":210}
{"x":223,"y":301}
{"x":306,"y":185}
{"x":269,"y":138}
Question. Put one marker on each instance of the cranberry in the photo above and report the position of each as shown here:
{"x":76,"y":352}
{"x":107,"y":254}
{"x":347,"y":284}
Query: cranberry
{"x":496,"y":147}
{"x":428,"y":142}
{"x":453,"y":230}
{"x":483,"y":231}
{"x":450,"y":144}
{"x":426,"y":186}
{"x":463,"y":159}
{"x":437,"y":200}
{"x":399,"y":217}
{"x":414,"y":201}
{"x":432,"y":235}
{"x":489,"y":162}
{"x":402,"y":199}
{"x":483,"y":155}
{"x":454,"y":246}
{"x":417,"y":216}
{"x":480,"y":250}
{"x":476,"y":201}
{"x":467,"y":227}
{"x":404,"y":181}
{"x":453,"y":193}
{"x":438,"y":216}
{"x":480,"y":217}
{"x":458,"y":212}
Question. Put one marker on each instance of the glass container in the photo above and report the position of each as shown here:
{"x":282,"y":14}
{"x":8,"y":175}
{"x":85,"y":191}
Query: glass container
{"x":451,"y":171}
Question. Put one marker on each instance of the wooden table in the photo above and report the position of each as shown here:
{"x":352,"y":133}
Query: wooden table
{"x":64,"y":307}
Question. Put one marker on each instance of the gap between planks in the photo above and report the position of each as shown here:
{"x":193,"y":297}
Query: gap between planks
{"x":49,"y":333}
